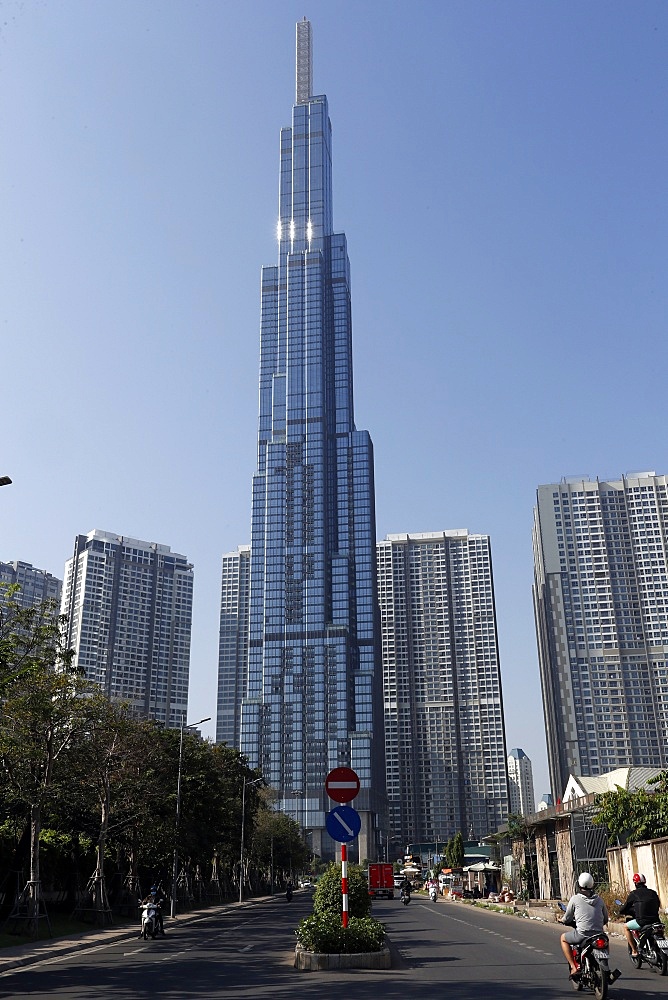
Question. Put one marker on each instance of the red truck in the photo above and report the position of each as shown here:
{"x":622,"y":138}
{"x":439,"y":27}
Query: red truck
{"x":381,"y":881}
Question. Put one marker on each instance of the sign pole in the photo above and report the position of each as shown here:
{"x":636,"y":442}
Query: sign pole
{"x":343,"y":823}
{"x":344,"y":883}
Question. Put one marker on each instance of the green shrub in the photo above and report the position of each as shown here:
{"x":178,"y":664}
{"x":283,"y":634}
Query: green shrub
{"x":327,"y":895}
{"x":324,"y":933}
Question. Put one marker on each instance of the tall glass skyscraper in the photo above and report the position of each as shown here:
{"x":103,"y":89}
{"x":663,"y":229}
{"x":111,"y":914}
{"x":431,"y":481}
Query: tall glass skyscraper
{"x":313,"y":691}
{"x":601,"y":607}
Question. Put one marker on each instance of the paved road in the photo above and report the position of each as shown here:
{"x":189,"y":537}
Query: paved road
{"x":471,"y":951}
{"x":248,"y":952}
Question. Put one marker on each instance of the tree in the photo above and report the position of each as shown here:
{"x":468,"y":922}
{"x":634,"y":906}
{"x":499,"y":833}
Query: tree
{"x":454,"y":851}
{"x":116,"y":763}
{"x":44,"y":711}
{"x":277,"y":843}
{"x":633,"y":816}
{"x":328,"y":896}
{"x":458,"y":850}
{"x":517,"y":827}
{"x":30,"y":638}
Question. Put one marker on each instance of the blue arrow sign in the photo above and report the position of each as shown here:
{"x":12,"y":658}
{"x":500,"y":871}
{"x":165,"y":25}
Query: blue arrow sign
{"x":343,"y":824}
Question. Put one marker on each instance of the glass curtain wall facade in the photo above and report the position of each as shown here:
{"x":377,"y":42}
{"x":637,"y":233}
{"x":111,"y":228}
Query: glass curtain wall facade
{"x":601,"y":608}
{"x":128,"y":605}
{"x":444,"y":728}
{"x":313,"y":698}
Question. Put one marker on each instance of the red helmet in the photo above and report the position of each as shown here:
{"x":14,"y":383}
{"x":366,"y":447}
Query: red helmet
{"x":639,"y":879}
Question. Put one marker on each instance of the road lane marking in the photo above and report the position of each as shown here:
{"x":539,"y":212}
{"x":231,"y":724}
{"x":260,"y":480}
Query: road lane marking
{"x":504,"y":937}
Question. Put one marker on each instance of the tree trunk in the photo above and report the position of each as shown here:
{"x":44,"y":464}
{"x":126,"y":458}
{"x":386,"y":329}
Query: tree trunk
{"x":35,"y":827}
{"x":18,"y":863}
{"x":99,"y":891}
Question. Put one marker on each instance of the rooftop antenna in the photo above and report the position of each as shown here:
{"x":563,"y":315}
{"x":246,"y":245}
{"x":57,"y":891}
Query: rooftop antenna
{"x":304,"y":74}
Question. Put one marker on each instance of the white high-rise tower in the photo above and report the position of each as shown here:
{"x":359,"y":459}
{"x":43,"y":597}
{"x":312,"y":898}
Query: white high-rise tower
{"x":129,"y":613}
{"x":520,"y":783}
{"x":444,"y":732}
{"x":601,"y":606}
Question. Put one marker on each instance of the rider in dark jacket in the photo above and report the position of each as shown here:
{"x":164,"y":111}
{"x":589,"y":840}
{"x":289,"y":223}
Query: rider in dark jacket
{"x":643,"y":906}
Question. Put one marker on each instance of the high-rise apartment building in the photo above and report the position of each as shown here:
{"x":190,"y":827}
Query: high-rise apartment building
{"x":233,"y":644}
{"x":129,"y":611}
{"x":520,"y":783}
{"x":601,"y":607}
{"x":313,"y":688}
{"x":35,"y":585}
{"x":444,"y":729}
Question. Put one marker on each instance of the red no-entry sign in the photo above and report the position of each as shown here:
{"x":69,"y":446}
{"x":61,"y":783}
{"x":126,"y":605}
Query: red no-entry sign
{"x":342,"y":784}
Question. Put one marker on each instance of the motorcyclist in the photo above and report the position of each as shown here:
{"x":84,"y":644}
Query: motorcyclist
{"x":587,"y":915}
{"x":155,"y":896}
{"x":405,"y":888}
{"x":643,"y":906}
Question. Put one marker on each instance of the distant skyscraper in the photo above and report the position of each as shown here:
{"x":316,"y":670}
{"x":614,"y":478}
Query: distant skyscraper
{"x":444,"y":730}
{"x":520,"y":783}
{"x":601,"y":605}
{"x":233,"y":644}
{"x":313,"y":689}
{"x":129,"y":610}
{"x":36,"y":585}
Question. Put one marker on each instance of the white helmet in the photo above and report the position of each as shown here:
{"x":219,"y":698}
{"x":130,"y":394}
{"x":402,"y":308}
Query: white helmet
{"x":586,"y":880}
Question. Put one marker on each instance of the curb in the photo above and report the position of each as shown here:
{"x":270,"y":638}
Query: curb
{"x":311,"y":961}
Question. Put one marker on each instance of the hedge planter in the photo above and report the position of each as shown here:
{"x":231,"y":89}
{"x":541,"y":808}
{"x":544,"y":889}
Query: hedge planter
{"x":323,"y":943}
{"x":311,"y":961}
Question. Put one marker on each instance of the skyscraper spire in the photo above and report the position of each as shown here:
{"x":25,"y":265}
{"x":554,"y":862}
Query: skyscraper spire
{"x":304,"y":73}
{"x":309,"y":695}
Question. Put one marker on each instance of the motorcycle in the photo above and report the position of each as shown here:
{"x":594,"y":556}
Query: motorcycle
{"x":149,"y":919}
{"x":405,"y":897}
{"x":652,"y":948}
{"x":651,"y":945}
{"x":591,"y":959}
{"x":433,"y":893}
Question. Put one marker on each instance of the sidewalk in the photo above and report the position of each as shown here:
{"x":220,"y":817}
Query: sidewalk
{"x":31,"y":952}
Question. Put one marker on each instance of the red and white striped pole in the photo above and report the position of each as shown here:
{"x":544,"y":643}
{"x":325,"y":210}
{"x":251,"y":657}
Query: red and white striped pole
{"x":344,"y":884}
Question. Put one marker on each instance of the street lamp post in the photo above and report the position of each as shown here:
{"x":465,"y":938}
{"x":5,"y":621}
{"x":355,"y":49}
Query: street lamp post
{"x":255,"y":781}
{"x":175,"y":869}
{"x":272,"y":864}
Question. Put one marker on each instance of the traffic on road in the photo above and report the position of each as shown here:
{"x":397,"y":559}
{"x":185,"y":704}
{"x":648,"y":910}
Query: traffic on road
{"x":248,"y":952}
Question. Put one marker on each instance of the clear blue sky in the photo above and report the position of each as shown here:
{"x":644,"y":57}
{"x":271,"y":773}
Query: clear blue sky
{"x":500,"y":170}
